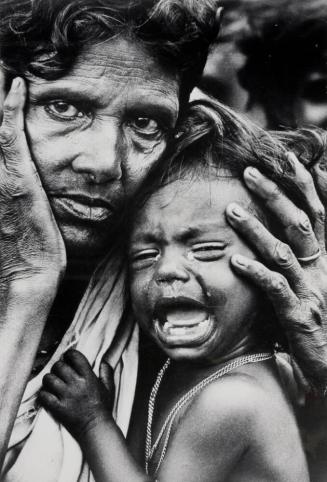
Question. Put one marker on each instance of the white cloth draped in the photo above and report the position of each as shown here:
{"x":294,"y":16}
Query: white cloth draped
{"x":40,"y":449}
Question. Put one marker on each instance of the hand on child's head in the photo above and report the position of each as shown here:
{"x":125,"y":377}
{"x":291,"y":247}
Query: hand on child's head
{"x":183,"y":289}
{"x":75,"y":396}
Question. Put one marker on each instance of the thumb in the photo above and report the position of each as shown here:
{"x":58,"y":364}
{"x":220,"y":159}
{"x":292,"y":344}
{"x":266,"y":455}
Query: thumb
{"x":106,"y":376}
{"x":2,"y":90}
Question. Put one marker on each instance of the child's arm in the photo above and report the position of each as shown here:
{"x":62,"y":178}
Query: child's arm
{"x":83,"y":404}
{"x":231,"y":425}
{"x":205,"y":446}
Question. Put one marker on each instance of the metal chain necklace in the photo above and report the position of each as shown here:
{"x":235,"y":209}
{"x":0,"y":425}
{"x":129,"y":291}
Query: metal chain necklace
{"x":168,"y":423}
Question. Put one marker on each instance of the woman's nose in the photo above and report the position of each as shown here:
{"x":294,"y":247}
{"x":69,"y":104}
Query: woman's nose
{"x":100,"y":153}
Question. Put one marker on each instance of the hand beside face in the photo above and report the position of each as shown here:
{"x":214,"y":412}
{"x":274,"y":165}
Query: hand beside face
{"x":183,"y":289}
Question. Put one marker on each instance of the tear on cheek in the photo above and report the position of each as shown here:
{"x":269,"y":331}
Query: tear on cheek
{"x":154,"y":148}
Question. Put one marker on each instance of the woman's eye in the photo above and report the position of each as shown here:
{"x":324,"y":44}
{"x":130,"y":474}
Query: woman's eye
{"x":207,"y":251}
{"x":144,"y":258}
{"x":63,"y":110}
{"x":145,"y":126}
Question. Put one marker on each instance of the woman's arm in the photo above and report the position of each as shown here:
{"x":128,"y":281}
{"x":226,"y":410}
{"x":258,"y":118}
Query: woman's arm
{"x":32,"y":259}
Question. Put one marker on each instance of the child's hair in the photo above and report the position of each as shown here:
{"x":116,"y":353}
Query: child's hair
{"x":212,"y":140}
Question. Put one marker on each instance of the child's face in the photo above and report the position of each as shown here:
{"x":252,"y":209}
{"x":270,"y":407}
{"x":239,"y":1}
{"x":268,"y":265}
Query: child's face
{"x":184,"y":292}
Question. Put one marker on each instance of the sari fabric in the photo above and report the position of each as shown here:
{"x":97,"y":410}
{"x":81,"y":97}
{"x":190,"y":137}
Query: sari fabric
{"x":40,"y":449}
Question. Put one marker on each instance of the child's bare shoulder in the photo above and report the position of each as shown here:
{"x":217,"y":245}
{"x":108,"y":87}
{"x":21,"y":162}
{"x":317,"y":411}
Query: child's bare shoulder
{"x":214,"y":430}
{"x":235,"y":399}
{"x":243,"y":416}
{"x":225,"y":413}
{"x":242,"y":408}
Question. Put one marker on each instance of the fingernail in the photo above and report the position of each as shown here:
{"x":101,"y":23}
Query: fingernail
{"x":240,"y":261}
{"x":253,"y":173}
{"x":237,"y":211}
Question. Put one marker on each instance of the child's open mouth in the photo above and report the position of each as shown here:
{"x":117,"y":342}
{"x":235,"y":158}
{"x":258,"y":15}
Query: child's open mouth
{"x":182,"y":321}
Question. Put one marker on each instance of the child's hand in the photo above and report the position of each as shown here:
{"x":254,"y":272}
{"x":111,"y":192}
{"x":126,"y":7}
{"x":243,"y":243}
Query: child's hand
{"x":75,"y":396}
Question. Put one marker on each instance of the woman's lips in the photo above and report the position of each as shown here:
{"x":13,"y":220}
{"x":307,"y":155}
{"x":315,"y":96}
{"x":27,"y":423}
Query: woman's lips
{"x":87,"y":209}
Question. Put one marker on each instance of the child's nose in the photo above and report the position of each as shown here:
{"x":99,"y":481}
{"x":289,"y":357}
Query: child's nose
{"x":170,"y":270}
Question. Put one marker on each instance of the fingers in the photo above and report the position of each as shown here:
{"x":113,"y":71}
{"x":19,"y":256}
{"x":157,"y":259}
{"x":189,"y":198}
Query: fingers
{"x":49,"y":400}
{"x":63,"y":371}
{"x":15,"y":152}
{"x":307,"y":186}
{"x":13,"y":115}
{"x":77,"y":362}
{"x":296,"y":224}
{"x":270,"y":248}
{"x":2,"y":90}
{"x":274,"y":284}
{"x":69,"y":370}
{"x":54,"y":385}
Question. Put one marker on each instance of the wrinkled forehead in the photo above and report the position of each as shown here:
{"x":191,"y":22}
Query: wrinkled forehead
{"x":116,"y":67}
{"x":123,"y":53}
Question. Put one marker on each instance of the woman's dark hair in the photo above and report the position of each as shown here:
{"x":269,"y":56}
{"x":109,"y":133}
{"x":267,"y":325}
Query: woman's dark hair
{"x":283,"y":41}
{"x":213,"y":141}
{"x":44,"y":37}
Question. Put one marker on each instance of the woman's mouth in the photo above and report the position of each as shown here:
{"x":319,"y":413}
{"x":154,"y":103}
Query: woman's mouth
{"x":182,"y":322}
{"x":83,"y":208}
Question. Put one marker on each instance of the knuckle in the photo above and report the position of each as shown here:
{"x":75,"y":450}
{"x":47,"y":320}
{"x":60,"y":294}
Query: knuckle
{"x":59,"y":365}
{"x":279,"y":283}
{"x":320,"y":214}
{"x":305,"y":181}
{"x":47,"y":378}
{"x":72,"y":353}
{"x":74,"y":356}
{"x":8,"y":136}
{"x":9,"y":106}
{"x":261,"y":274}
{"x":275,"y":193}
{"x":304,"y":224}
{"x":318,"y":302}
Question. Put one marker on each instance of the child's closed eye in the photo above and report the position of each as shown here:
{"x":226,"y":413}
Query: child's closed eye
{"x":209,"y":251}
{"x":144,"y":258}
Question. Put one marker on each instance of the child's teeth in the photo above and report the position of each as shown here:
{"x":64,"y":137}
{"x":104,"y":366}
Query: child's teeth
{"x":178,"y":329}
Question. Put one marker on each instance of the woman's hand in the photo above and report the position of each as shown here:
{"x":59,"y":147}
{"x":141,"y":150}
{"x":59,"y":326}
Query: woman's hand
{"x":296,"y":280}
{"x":31,"y":246}
{"x":32,"y":258}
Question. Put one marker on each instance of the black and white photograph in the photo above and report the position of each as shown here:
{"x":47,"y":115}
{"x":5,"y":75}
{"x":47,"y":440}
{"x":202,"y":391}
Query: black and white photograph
{"x":163,"y":266}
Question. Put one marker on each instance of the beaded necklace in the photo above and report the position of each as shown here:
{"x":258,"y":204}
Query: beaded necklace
{"x":168,"y":423}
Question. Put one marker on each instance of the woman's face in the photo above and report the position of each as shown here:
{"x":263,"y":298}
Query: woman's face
{"x":184,"y":291}
{"x":95,"y":132}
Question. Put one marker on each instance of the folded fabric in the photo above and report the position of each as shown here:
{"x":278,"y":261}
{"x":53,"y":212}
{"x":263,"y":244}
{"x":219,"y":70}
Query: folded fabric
{"x":40,"y":449}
